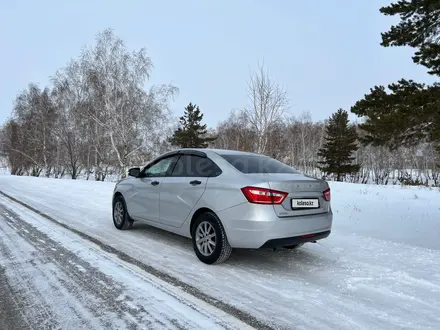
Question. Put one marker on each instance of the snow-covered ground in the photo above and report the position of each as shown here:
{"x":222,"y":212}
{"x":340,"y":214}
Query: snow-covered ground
{"x":64,"y":282}
{"x":379,"y":269}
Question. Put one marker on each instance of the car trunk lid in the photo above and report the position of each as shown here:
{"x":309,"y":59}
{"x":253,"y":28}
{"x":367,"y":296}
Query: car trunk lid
{"x":305,"y":194}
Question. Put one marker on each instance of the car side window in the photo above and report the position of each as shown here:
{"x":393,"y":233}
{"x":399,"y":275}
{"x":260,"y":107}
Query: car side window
{"x":162,"y":168}
{"x":195,"y":166}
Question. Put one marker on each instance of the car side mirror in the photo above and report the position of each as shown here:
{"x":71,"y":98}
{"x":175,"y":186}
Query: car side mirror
{"x":135,"y":171}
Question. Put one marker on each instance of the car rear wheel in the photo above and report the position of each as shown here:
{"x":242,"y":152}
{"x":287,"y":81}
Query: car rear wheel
{"x":121,"y":219}
{"x":209,"y":239}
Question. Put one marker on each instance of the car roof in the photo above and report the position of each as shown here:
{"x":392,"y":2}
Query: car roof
{"x":219,"y":151}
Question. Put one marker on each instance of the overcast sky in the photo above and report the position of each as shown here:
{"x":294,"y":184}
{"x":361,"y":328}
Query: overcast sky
{"x":326,"y":53}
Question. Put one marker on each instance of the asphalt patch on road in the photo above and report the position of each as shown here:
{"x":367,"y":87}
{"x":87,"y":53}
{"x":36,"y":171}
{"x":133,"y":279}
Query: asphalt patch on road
{"x":11,"y":315}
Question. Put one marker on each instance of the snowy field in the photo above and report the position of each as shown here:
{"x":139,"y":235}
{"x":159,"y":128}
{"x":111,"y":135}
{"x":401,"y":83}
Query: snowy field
{"x":379,"y":269}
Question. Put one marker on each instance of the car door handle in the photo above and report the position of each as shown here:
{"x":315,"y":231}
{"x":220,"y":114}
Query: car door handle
{"x":195,"y":182}
{"x":154,"y":183}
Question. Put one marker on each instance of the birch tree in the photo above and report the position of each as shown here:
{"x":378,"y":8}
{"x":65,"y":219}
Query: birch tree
{"x":129,"y":114}
{"x":268,"y":102}
{"x":234,"y":133}
{"x":12,"y":146}
{"x":35,"y":117}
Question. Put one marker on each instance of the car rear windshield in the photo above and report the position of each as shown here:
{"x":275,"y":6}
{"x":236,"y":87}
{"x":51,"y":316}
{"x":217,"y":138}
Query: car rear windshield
{"x":257,"y":164}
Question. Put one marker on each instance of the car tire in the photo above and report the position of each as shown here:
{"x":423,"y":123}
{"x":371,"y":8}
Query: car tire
{"x":204,"y":227}
{"x":121,"y":218}
{"x":294,"y":246}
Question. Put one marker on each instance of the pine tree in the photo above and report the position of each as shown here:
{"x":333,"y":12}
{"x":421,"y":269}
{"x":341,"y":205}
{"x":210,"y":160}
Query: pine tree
{"x":419,"y":27}
{"x":406,"y":113}
{"x":341,"y":143}
{"x":191,"y":133}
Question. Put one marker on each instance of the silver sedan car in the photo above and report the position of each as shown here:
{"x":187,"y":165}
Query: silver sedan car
{"x":224,"y":199}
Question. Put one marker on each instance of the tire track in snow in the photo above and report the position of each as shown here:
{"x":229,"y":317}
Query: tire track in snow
{"x":11,"y":315}
{"x":41,"y":279}
{"x":97,"y":300}
{"x":197,"y":293}
{"x":78,"y":277}
{"x":30,"y":306}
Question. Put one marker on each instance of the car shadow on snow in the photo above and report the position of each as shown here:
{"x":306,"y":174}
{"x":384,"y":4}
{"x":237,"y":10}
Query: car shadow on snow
{"x":280,"y":258}
{"x":161,"y":236}
{"x":308,"y":256}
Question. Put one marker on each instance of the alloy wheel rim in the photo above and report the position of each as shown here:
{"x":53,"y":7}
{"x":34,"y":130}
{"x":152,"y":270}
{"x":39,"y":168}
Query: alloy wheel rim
{"x":206,"y":239}
{"x":119,"y":213}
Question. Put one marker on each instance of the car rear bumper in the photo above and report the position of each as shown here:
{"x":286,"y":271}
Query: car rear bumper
{"x":266,"y":230}
{"x":279,"y":242}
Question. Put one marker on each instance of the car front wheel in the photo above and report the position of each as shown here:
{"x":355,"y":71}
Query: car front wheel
{"x":121,"y":219}
{"x":209,"y":239}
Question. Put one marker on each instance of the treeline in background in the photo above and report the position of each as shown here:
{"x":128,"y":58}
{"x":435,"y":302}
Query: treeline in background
{"x":99,"y":117}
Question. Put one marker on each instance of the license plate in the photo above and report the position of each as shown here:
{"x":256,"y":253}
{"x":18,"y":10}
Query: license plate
{"x":305,"y":203}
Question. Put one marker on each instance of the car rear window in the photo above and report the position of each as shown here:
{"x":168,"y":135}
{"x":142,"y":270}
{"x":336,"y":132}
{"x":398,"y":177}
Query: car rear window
{"x":257,"y":164}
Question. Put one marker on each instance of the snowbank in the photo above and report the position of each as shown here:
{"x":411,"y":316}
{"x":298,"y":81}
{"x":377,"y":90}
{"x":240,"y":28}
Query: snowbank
{"x":402,"y":214}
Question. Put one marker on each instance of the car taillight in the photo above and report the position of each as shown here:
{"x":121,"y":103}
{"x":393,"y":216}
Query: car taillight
{"x":327,"y":195}
{"x":258,"y":195}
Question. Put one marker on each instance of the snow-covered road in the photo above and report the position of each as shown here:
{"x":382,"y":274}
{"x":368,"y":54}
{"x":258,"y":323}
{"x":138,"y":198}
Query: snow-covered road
{"x":380,"y":268}
{"x":53,"y":279}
